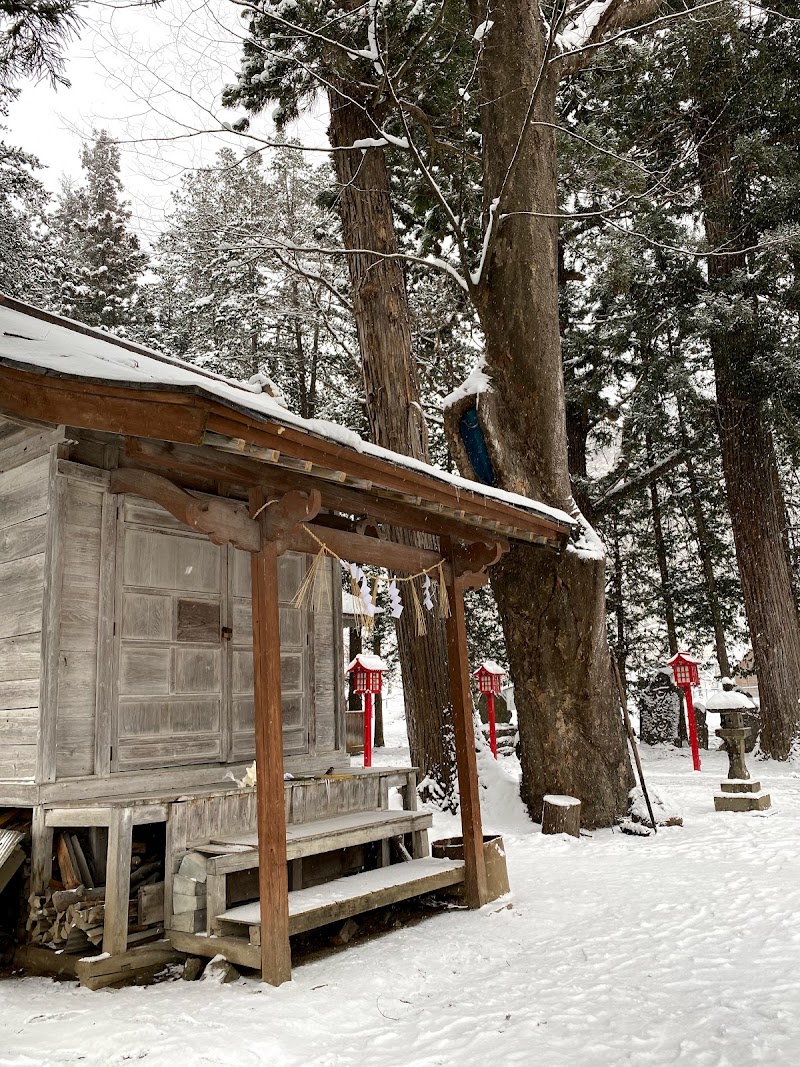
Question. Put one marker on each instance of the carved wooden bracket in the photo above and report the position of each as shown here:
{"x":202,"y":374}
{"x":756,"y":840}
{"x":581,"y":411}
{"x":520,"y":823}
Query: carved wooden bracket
{"x":225,"y":522}
{"x":469,"y":562}
{"x":279,"y":516}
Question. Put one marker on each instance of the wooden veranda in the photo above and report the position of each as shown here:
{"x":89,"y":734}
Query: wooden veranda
{"x":253,"y":476}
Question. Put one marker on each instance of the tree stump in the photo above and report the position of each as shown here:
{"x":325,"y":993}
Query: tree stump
{"x":561,"y":815}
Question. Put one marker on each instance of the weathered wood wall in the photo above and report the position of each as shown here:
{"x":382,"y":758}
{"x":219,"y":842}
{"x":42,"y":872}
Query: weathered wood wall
{"x":108,"y":663}
{"x":79,"y":520}
{"x":25,"y":465}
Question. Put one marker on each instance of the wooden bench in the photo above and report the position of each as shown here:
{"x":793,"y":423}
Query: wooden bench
{"x":231,"y":853}
{"x":353,"y":895}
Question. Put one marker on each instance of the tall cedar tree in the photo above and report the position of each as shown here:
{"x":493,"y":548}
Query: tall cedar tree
{"x":292,"y":74}
{"x":103,"y":259}
{"x":553,"y":612}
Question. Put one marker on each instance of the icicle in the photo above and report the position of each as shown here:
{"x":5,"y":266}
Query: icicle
{"x":444,"y":599}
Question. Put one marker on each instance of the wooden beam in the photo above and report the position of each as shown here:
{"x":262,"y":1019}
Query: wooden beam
{"x":165,"y":416}
{"x":372,"y":500}
{"x":356,"y":548}
{"x":475,"y":884}
{"x":385,"y":473}
{"x":273,"y":883}
{"x":238,"y":469}
{"x":225,"y":522}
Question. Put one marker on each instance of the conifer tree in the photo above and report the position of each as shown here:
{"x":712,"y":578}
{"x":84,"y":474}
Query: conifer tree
{"x":103,"y":261}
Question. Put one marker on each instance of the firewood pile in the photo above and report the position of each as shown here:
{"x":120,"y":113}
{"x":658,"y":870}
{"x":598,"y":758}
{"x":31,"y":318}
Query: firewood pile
{"x":70,"y":914}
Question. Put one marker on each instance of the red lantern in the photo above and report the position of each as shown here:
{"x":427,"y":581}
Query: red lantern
{"x":367,"y":672}
{"x":490,"y":681}
{"x":686,"y":674}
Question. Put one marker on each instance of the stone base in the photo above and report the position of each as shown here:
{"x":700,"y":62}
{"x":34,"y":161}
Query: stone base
{"x":741,"y":801}
{"x":740,"y":785}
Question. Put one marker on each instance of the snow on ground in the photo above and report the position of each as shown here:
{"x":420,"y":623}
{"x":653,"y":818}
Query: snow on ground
{"x":611,"y":950}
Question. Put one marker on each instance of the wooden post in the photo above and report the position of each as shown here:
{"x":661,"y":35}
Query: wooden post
{"x":41,"y":852}
{"x":118,"y":880}
{"x":461,"y":698}
{"x":273,"y":882}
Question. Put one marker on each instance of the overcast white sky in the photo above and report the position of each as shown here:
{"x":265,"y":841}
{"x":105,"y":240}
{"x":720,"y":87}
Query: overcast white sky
{"x":143,"y":73}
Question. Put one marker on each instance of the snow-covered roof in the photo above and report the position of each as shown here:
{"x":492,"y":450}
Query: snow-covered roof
{"x":34,"y":340}
{"x":490,"y":667}
{"x":727,"y":700}
{"x":368,"y":662}
{"x":683,"y":657}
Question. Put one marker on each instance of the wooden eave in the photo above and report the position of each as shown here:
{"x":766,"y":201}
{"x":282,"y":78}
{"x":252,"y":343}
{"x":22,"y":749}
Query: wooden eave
{"x":238,"y":445}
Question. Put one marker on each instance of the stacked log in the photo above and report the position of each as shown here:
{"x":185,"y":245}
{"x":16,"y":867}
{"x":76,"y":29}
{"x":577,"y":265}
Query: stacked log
{"x":70,"y":914}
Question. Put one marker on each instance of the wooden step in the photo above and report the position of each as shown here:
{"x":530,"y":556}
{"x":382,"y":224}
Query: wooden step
{"x":313,"y":838}
{"x":343,"y":897}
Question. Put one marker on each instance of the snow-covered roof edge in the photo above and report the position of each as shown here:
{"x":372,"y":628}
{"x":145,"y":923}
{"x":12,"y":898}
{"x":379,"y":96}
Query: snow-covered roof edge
{"x":368,"y":662}
{"x":48,"y":333}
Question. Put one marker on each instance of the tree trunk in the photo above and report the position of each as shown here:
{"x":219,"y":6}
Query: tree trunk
{"x":755,"y":501}
{"x":661,"y":557}
{"x":704,"y":551}
{"x":380,"y":305}
{"x":552,"y":607}
{"x":355,"y":648}
{"x":618,"y":600}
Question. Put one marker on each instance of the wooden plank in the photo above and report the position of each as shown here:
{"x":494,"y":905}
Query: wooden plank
{"x":41,"y":852}
{"x":105,"y":637}
{"x":25,"y":538}
{"x":118,"y":881}
{"x":70,"y":875}
{"x":273,"y":880}
{"x":20,"y":657}
{"x":104,"y":815}
{"x":476,"y":889}
{"x":21,"y":612}
{"x":150,"y":903}
{"x":36,"y":959}
{"x":51,"y":625}
{"x":324,"y":835}
{"x":30,"y":447}
{"x":235,"y":949}
{"x":356,"y":894}
{"x":216,"y":899}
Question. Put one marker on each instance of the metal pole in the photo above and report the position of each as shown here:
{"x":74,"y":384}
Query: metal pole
{"x":687,"y":692}
{"x":492,"y":724}
{"x":368,"y":729}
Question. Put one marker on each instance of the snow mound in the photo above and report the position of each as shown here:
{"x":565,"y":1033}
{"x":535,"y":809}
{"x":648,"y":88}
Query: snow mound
{"x":665,"y":810}
{"x":501,"y":804}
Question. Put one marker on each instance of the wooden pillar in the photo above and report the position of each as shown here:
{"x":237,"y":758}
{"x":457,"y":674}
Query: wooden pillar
{"x":118,"y":880}
{"x":41,"y":852}
{"x":273,"y":883}
{"x":461,"y":699}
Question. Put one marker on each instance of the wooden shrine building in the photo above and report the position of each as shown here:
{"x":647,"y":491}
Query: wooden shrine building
{"x":156,"y":524}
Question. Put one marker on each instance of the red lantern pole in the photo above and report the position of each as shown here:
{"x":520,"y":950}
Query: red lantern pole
{"x":687,"y":692}
{"x":368,"y":729}
{"x":492,"y":724}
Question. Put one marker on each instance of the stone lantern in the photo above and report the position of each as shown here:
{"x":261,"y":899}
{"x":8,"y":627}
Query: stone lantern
{"x":738,"y":792}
